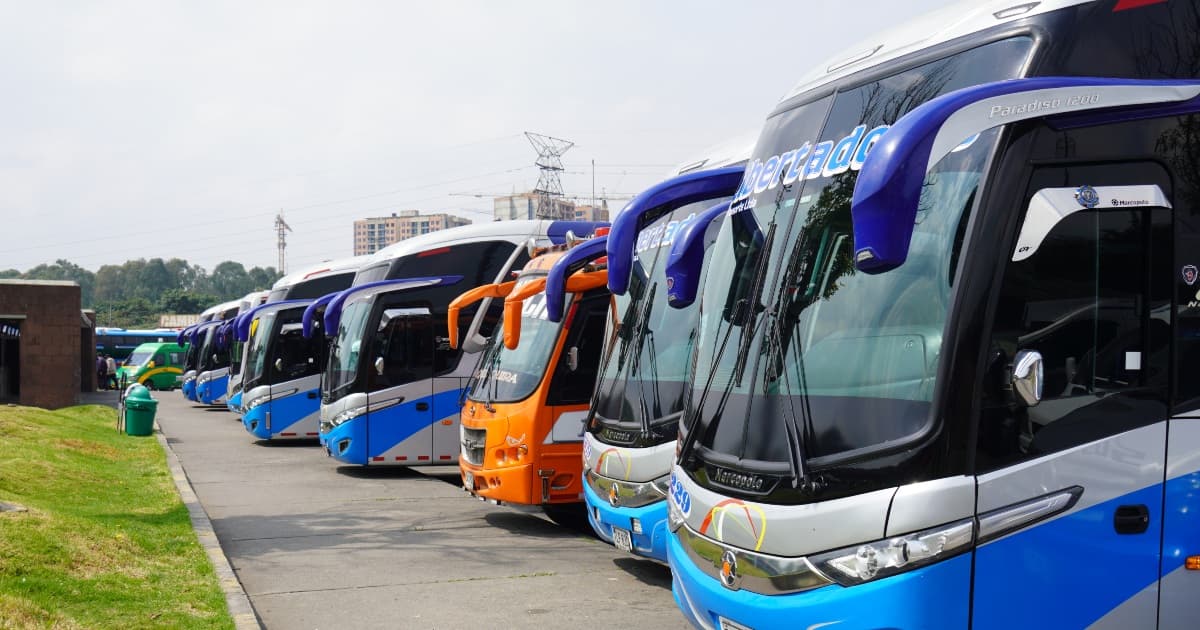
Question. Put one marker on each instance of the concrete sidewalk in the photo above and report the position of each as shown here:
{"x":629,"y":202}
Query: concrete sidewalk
{"x":316,"y":545}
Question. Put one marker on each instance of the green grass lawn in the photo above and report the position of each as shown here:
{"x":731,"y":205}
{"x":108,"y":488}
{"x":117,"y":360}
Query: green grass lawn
{"x":106,"y":542}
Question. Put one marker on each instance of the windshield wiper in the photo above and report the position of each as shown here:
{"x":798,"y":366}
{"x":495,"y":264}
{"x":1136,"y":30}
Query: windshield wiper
{"x":493,"y":360}
{"x":792,"y":429}
{"x":635,"y":366}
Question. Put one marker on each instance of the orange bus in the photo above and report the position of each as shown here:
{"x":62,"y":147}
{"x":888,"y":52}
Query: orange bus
{"x":523,"y":419}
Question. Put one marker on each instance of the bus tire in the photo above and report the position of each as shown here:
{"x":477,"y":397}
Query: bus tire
{"x":149,"y":383}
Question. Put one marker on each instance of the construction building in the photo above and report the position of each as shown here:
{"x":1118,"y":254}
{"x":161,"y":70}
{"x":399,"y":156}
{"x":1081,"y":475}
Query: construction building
{"x":375,"y":233}
{"x":525,"y":206}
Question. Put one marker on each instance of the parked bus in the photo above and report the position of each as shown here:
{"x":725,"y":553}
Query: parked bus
{"x":283,"y":366}
{"x":522,"y":423}
{"x":391,"y":390}
{"x":946,"y":359}
{"x":233,"y":396}
{"x":155,"y":365}
{"x":191,"y":360}
{"x":212,"y":370}
{"x":629,"y":446}
{"x":119,"y":343}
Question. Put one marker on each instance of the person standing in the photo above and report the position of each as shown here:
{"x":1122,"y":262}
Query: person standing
{"x":112,"y":370}
{"x":101,"y":372}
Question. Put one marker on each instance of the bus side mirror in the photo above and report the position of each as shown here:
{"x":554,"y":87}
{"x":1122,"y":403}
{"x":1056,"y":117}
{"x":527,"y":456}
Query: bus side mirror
{"x":379,"y":366}
{"x":214,"y":357}
{"x":573,"y":358}
{"x":279,"y":365}
{"x":150,"y":365}
{"x":1028,"y":374}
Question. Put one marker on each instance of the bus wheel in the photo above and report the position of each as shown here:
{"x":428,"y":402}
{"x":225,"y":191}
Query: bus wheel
{"x":149,"y":383}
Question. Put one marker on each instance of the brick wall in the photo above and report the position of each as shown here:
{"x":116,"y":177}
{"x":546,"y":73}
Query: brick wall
{"x":50,"y":340}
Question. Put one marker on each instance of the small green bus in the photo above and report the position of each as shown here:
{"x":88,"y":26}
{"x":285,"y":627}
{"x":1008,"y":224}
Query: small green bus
{"x":155,"y":365}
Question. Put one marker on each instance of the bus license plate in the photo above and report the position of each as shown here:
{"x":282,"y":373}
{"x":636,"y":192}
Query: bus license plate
{"x":622,"y":540}
{"x":726,"y":624}
{"x":469,"y":482}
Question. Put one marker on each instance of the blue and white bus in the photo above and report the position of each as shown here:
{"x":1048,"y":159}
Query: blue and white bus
{"x":950,"y":332}
{"x":629,"y":444}
{"x":187,"y":380}
{"x":392,"y":386}
{"x":120,"y":342}
{"x":233,"y":395}
{"x":212,"y":369}
{"x":283,"y":367}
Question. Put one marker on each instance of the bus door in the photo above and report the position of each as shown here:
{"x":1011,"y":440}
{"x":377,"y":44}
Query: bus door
{"x":1070,"y":487}
{"x":448,"y":386}
{"x":578,"y":366}
{"x":400,"y":384}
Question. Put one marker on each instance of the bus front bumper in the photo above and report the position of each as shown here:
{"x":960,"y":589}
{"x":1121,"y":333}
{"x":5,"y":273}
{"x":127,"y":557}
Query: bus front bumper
{"x":347,"y":442}
{"x":510,"y":484}
{"x":933,"y":597}
{"x":650,"y":542}
{"x":255,"y":421}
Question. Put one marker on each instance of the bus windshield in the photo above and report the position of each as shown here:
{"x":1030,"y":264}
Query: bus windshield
{"x":644,"y":379}
{"x":256,"y":355}
{"x":342,"y":366}
{"x":205,"y":356}
{"x":139,"y":358}
{"x":802,"y":359}
{"x":511,"y":375}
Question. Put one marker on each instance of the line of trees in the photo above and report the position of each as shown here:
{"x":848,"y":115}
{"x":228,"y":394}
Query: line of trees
{"x":134,"y":294}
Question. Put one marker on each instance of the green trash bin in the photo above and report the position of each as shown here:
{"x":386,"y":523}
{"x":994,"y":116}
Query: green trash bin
{"x":139,"y":411}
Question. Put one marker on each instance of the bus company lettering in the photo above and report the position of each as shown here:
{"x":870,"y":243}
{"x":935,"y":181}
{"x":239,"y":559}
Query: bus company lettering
{"x":535,"y":307}
{"x":741,"y":481}
{"x":661,"y":235}
{"x":1134,"y":203}
{"x":504,"y":376}
{"x":1031,"y":107}
{"x":808,"y":161}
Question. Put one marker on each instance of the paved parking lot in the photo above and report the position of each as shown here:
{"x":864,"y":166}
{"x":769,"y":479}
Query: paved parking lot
{"x":317,"y":545}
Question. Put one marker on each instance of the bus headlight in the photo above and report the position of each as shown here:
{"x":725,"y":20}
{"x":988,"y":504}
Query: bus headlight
{"x":674,"y":516}
{"x":850,"y":566}
{"x":256,"y":401}
{"x":347,"y":415}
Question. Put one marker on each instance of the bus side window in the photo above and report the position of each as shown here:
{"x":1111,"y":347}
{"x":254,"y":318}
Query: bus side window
{"x":404,"y":341}
{"x":587,"y":336}
{"x":159,"y":360}
{"x":1092,"y":301}
{"x":176,"y":358}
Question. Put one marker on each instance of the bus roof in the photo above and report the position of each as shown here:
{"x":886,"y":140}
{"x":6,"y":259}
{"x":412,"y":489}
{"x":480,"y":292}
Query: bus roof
{"x":323,"y":268}
{"x":732,"y":151}
{"x":930,"y":29}
{"x":517,"y":231}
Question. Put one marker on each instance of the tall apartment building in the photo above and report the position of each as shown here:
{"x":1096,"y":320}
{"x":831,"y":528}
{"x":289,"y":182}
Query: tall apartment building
{"x":524,"y":206}
{"x":587,"y":212}
{"x":375,"y":233}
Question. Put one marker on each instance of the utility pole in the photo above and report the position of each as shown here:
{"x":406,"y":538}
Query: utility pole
{"x":549,"y":186}
{"x":281,"y":230}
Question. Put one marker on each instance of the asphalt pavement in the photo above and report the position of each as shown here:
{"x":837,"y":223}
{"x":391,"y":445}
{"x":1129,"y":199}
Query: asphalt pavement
{"x":320,"y":545}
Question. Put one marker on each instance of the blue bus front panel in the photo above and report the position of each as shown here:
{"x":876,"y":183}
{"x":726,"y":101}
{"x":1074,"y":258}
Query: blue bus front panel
{"x":396,"y":435}
{"x":212,"y":391}
{"x":235,"y":402}
{"x":931,"y":598}
{"x":652,"y":519}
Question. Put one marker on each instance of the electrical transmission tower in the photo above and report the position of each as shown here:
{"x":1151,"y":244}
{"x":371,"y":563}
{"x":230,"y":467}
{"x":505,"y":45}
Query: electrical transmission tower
{"x":549,"y":186}
{"x":281,"y":230}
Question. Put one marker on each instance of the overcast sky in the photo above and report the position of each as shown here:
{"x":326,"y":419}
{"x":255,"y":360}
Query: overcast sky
{"x":158,"y":129}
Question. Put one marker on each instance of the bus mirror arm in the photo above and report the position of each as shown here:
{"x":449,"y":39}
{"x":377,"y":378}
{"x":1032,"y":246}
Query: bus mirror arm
{"x":888,"y":190}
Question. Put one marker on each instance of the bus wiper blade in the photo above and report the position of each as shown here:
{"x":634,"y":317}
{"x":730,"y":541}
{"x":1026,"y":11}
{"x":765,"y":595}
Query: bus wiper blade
{"x":689,"y":440}
{"x":791,"y":427}
{"x":739,"y":365}
{"x":638,"y":346}
{"x":493,"y":361}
